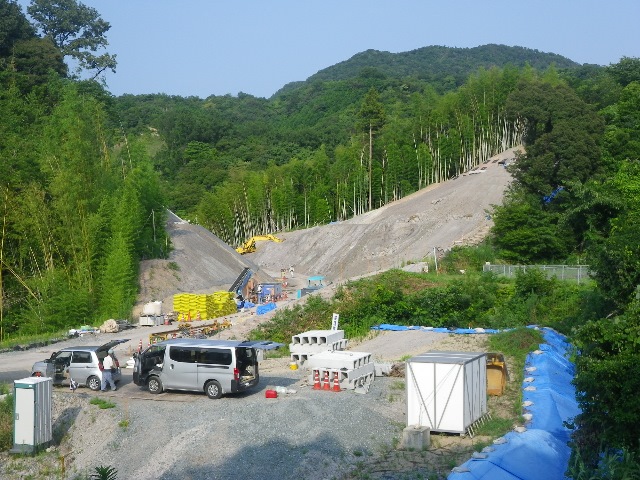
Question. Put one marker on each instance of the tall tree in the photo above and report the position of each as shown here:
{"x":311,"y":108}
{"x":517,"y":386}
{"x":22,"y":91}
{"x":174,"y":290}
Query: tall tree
{"x":371,"y":118}
{"x":14,"y":26}
{"x":77,"y":30}
{"x":562,"y":138}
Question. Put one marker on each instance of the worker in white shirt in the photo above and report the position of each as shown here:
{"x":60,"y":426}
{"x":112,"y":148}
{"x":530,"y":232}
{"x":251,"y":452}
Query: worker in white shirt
{"x":107,"y":368}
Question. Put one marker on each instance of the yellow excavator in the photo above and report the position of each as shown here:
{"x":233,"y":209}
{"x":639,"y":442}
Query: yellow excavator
{"x":250,"y":245}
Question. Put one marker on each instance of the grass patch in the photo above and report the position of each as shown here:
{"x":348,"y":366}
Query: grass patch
{"x":102,"y":403}
{"x":397,"y":385}
{"x":9,"y":342}
{"x":495,"y":427}
{"x":6,"y":419}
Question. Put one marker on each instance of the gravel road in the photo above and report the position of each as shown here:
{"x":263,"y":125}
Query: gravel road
{"x":307,"y":434}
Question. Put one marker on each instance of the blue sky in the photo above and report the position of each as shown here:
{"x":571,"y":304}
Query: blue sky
{"x":211,"y":47}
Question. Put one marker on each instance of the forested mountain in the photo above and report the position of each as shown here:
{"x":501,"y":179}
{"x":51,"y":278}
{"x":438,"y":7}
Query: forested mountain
{"x":85,"y":176}
{"x":260,"y":158}
{"x":444,"y":67}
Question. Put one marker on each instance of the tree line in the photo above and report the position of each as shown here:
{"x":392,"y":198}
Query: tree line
{"x":80,"y":204}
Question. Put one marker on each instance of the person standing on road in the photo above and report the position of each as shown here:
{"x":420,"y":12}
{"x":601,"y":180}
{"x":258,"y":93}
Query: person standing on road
{"x":107,"y":368}
{"x":291,"y":271}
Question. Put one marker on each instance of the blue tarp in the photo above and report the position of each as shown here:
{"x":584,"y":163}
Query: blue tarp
{"x":541,"y":452}
{"x":246,"y":304}
{"x":267,"y":307}
{"x":397,"y":328}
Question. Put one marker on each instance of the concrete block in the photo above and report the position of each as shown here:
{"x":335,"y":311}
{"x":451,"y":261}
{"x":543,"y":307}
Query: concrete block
{"x":318,"y":336}
{"x":348,"y":379}
{"x":312,"y":348}
{"x":383,"y":369}
{"x":416,"y":437}
{"x":340,"y":360}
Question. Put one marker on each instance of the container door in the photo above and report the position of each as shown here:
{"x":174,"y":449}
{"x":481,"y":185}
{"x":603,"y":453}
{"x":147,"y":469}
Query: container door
{"x":449,"y":398}
{"x":24,"y":416}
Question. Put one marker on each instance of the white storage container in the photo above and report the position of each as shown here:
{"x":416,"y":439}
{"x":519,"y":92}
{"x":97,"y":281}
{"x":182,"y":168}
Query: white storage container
{"x":32,"y":414}
{"x":446,"y":391}
{"x":151,"y":320}
{"x":152,"y":308}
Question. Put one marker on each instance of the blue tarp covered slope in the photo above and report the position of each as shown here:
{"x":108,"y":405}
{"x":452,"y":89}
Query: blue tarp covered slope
{"x":541,"y":452}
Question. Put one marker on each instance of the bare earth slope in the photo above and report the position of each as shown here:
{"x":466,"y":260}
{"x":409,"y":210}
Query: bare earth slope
{"x":199,"y":263}
{"x":439,"y":217}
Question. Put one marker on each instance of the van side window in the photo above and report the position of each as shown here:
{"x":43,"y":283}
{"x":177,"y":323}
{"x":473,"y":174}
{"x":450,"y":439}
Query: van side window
{"x":215,"y":356}
{"x":183,"y":354}
{"x":81,"y":357}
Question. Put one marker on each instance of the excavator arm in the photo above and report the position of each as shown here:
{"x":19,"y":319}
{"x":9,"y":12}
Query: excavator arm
{"x":250,"y":245}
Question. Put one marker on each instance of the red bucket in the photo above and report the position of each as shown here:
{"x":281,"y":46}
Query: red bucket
{"x":271,"y":394}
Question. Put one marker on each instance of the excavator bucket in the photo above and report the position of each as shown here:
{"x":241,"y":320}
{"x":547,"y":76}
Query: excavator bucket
{"x":497,"y":374}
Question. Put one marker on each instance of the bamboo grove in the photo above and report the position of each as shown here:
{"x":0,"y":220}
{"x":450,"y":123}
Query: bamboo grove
{"x":76,"y":212}
{"x":420,"y":140}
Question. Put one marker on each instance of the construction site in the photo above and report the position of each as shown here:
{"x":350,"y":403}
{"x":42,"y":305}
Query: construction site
{"x":402,"y":234}
{"x":335,"y":407}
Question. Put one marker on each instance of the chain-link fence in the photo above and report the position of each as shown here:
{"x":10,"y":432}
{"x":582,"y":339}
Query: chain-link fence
{"x":578,"y":273}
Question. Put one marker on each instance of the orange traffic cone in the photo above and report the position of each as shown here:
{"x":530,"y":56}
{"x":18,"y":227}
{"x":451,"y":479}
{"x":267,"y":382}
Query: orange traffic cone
{"x":316,"y":380}
{"x":336,"y":382}
{"x":140,"y":346}
{"x":326,"y":385}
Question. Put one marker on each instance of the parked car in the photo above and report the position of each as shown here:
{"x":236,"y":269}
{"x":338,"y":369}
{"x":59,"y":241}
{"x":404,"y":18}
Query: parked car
{"x":215,"y":367}
{"x":82,"y":364}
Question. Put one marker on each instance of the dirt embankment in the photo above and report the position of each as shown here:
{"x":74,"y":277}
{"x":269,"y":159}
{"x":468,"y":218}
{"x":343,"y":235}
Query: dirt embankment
{"x":437,"y":218}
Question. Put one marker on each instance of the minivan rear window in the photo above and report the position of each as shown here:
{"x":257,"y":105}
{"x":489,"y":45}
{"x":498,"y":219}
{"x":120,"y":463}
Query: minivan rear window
{"x":215,"y":356}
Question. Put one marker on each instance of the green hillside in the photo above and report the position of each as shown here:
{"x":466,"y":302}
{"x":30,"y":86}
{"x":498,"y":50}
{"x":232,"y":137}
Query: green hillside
{"x":447,"y":66}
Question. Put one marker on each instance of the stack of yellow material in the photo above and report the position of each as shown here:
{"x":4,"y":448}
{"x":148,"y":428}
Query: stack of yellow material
{"x":190,"y":306}
{"x":220,"y":304}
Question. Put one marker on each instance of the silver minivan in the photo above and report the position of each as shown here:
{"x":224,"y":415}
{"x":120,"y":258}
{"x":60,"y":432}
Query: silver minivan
{"x":215,"y":367}
{"x":83,"y":365}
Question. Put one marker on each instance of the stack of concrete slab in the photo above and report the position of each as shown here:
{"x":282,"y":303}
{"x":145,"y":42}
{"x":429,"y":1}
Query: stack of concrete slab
{"x":305,"y":345}
{"x":354,"y":370}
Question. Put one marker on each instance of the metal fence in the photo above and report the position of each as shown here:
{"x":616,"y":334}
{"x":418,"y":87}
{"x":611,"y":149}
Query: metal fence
{"x":578,"y":273}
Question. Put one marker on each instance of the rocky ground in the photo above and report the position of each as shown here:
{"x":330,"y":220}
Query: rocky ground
{"x":310,"y":427}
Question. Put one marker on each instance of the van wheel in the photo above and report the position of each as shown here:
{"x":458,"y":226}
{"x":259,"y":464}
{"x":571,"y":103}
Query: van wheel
{"x":94,"y":383}
{"x":213,"y":389}
{"x":155,"y":385}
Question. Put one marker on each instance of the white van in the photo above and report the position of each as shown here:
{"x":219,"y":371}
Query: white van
{"x":215,"y":367}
